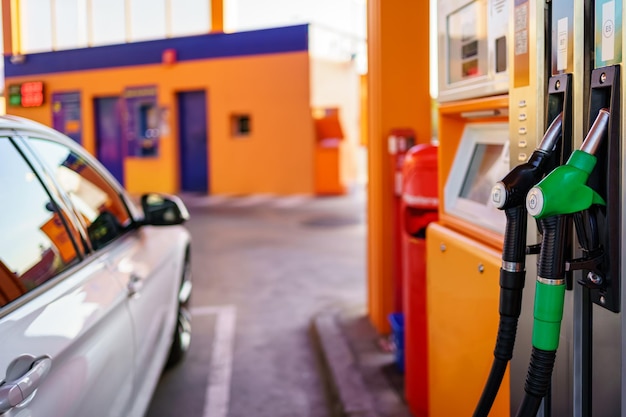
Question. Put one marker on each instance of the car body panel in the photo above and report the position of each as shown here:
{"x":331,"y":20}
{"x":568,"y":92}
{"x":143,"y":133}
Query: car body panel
{"x":87,"y":373}
{"x":106,"y":323}
{"x":157,"y":266}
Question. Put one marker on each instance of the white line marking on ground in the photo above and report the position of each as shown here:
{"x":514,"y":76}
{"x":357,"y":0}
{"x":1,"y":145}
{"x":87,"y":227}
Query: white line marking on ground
{"x":221,"y":365}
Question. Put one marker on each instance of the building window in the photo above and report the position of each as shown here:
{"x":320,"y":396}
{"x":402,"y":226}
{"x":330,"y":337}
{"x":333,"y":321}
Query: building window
{"x":240,"y":125}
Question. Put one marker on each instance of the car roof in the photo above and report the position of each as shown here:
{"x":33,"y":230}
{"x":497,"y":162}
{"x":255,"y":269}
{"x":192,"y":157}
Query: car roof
{"x":12,"y":122}
{"x":9,"y":121}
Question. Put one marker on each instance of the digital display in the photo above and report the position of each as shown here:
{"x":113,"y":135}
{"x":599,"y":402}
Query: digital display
{"x":481,"y":160}
{"x":15,"y":95}
{"x":472,"y":38}
{"x":467,"y":48}
{"x":28,"y":94}
{"x":485,"y":169}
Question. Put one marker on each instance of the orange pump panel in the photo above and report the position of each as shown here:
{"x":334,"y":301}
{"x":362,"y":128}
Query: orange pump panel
{"x":462,"y":303}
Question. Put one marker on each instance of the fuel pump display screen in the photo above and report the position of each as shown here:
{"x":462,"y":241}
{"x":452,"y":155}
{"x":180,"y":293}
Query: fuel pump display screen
{"x":481,"y":160}
{"x":479,"y":180}
{"x":467,"y":42}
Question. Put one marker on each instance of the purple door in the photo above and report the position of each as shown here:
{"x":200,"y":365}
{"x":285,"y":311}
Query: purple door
{"x":194,"y":167}
{"x":109,"y":138}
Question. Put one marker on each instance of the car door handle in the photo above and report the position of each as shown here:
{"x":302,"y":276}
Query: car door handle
{"x":24,"y":375}
{"x":135,"y":283}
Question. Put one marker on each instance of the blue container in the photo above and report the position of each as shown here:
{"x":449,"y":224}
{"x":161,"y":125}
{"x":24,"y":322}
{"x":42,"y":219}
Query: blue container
{"x":397,"y":326}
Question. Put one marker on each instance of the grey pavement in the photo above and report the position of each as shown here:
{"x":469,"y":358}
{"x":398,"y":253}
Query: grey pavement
{"x":294,"y":269}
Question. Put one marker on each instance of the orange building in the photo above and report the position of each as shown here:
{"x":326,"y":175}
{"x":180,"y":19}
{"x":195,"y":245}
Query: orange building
{"x":214,"y":113}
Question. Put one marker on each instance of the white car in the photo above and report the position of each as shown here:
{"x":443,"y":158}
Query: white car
{"x":93,"y":289}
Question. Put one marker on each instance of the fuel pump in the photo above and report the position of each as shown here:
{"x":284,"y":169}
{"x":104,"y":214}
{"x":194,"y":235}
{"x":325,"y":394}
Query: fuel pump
{"x":563,"y":38}
{"x":586,"y":190}
{"x":580,"y":189}
{"x":578,"y":273}
{"x":597,"y":380}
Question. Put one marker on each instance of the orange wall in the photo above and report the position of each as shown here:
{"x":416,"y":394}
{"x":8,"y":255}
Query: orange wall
{"x":398,"y":93}
{"x":278,"y":155}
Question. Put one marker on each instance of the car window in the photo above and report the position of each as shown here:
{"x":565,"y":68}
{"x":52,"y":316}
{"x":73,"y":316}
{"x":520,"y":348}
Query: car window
{"x":35,"y":244}
{"x":96,"y":201}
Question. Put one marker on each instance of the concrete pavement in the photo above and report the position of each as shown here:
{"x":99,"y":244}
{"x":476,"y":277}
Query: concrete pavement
{"x":361,"y":369}
{"x":293,"y":269}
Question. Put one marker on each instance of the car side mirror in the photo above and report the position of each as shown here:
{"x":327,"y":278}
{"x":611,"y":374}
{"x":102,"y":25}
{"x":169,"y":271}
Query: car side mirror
{"x":163,"y":210}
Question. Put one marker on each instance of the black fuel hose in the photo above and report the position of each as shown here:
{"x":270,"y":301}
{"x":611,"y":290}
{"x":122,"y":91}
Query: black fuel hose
{"x":510,"y":195}
{"x":511,"y":287}
{"x":537,"y":382}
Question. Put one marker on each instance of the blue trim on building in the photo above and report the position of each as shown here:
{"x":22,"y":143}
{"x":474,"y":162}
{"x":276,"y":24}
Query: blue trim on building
{"x":212,"y":45}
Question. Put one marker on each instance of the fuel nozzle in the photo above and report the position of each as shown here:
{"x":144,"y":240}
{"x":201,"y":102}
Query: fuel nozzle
{"x":512,"y":190}
{"x":564,"y":190}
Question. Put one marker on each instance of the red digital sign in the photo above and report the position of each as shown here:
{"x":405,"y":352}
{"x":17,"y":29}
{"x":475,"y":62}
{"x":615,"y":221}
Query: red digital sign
{"x":32,"y":94}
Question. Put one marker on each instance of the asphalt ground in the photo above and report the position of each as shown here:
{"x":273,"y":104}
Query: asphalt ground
{"x":273,"y":278}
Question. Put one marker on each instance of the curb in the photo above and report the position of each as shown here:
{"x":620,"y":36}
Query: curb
{"x":338,"y":360}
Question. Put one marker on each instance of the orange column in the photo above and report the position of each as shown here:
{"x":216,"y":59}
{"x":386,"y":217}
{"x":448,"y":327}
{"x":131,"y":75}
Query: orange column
{"x":11,"y":27}
{"x":217,"y":15}
{"x":398,"y":93}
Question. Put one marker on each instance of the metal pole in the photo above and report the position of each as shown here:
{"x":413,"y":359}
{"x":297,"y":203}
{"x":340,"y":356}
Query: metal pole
{"x":168,"y":19}
{"x":89,"y":12}
{"x":53,"y":24}
{"x":16,"y":27}
{"x":127,"y":19}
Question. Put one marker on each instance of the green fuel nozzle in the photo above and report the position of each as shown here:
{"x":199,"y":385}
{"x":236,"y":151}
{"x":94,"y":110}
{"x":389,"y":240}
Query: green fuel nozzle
{"x":565,"y":190}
